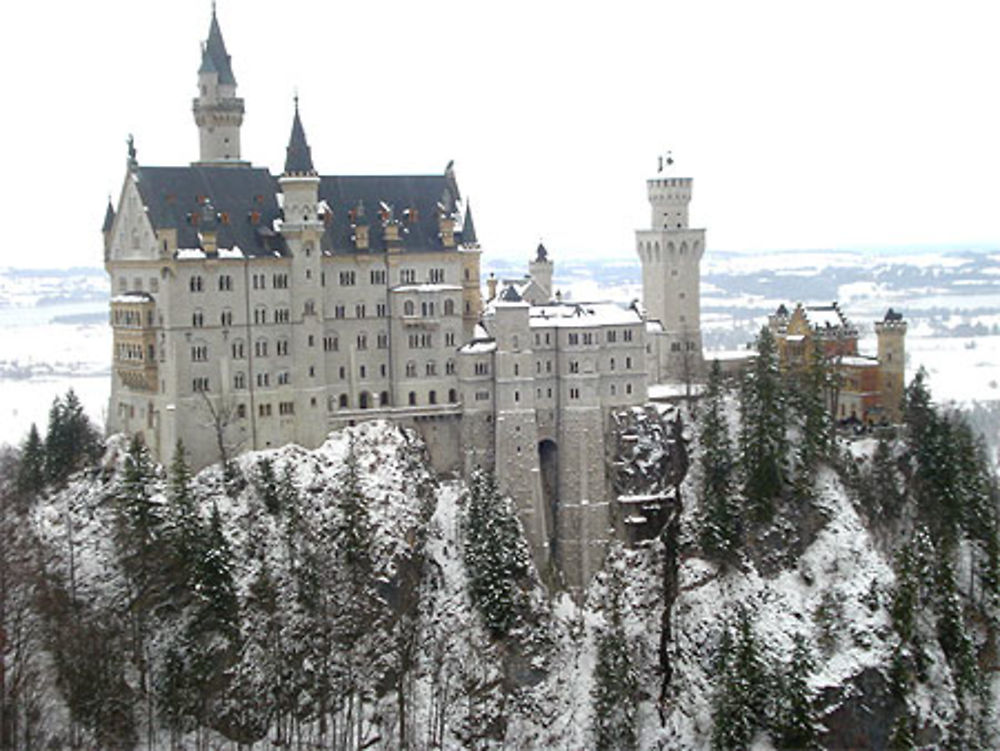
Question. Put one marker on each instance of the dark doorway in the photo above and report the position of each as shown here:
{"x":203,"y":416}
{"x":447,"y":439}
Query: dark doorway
{"x":548,"y":461}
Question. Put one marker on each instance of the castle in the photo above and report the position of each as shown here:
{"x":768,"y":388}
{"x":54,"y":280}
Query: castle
{"x":250,"y":311}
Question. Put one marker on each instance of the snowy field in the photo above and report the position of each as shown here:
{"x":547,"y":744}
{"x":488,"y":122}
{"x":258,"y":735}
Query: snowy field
{"x":55,"y":335}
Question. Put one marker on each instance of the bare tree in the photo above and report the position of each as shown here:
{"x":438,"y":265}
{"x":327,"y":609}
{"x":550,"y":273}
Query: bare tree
{"x":222,"y":413}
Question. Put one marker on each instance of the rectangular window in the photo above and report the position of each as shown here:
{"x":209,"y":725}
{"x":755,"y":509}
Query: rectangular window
{"x":407,"y":276}
{"x":574,"y":339}
{"x":286,"y":408}
{"x":359,"y":310}
{"x":347,"y":278}
{"x":339,"y":311}
{"x":378,"y":276}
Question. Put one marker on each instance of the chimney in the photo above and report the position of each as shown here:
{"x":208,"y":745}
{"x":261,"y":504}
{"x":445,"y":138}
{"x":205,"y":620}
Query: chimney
{"x":491,"y":287}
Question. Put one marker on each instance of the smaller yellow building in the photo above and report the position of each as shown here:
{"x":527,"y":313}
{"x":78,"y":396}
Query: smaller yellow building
{"x":870,"y":388}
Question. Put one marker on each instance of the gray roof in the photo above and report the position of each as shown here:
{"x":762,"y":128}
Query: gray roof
{"x":245,"y":206}
{"x":413,"y":199}
{"x":510,"y":294}
{"x":214,"y":57}
{"x":298,"y":159}
{"x":242,"y":198}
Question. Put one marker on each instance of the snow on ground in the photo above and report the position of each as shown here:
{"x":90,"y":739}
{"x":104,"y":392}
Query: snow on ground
{"x":837,"y":571}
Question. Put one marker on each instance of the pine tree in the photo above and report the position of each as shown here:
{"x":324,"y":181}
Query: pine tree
{"x":183,"y":523}
{"x":31,"y":469}
{"x":722,"y":525}
{"x":814,"y":421}
{"x":740,"y":701}
{"x":140,"y":526}
{"x":762,"y":435}
{"x":496,"y":555}
{"x":267,"y":485}
{"x":58,"y":452}
{"x":616,"y":685}
{"x":901,"y":736}
{"x":796,"y":728}
{"x":884,"y":483}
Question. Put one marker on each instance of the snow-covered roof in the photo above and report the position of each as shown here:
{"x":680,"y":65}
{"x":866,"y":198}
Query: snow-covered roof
{"x":673,"y":390}
{"x":856,"y":361}
{"x":479,"y":347}
{"x":132,"y":297}
{"x":826,"y":316}
{"x":427,"y":288}
{"x":580,"y":315}
{"x":189,"y":254}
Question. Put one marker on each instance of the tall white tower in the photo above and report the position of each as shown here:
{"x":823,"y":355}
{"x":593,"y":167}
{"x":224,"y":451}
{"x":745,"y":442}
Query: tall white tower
{"x":671,"y":252}
{"x":218,"y":112}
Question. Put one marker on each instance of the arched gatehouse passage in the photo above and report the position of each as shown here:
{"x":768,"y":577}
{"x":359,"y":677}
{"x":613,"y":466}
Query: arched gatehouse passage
{"x":364,"y":401}
{"x":548,"y":462}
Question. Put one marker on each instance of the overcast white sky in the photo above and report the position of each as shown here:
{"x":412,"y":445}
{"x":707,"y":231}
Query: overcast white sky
{"x":804,"y":124}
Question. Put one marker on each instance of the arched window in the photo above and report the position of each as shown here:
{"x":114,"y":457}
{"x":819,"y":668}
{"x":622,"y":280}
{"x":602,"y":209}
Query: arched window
{"x":408,"y":308}
{"x":383,"y":399}
{"x":453,"y":396}
{"x":343,"y":400}
{"x":449,"y":307}
{"x":413,"y":398}
{"x":432,"y":397}
{"x":363,"y":400}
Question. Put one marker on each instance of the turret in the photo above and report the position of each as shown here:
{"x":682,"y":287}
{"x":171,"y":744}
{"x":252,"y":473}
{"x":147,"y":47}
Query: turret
{"x":891,"y":334}
{"x":671,"y":251}
{"x":540,"y":270}
{"x":107,"y":226}
{"x":218,"y":112}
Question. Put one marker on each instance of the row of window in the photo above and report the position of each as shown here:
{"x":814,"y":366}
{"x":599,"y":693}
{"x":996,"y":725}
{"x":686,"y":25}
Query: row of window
{"x":593,"y":337}
{"x":127,"y":352}
{"x":688,"y":346}
{"x":154,"y":284}
{"x":130,"y":318}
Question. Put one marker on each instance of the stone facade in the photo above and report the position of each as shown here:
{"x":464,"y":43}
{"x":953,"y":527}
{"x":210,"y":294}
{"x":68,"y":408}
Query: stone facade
{"x":253,"y":310}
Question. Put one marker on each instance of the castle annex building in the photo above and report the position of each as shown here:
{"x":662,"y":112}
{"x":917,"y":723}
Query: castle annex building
{"x":251,"y":310}
{"x":870,"y":389}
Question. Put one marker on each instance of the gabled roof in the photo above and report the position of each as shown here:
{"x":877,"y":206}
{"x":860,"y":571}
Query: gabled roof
{"x":214,"y":57}
{"x":298,"y":158}
{"x":243,"y":200}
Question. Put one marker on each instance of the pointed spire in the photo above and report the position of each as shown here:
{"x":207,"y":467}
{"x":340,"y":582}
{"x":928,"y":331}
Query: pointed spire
{"x":468,"y":228}
{"x":109,"y":217}
{"x":214,"y":57}
{"x":298,"y":160}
